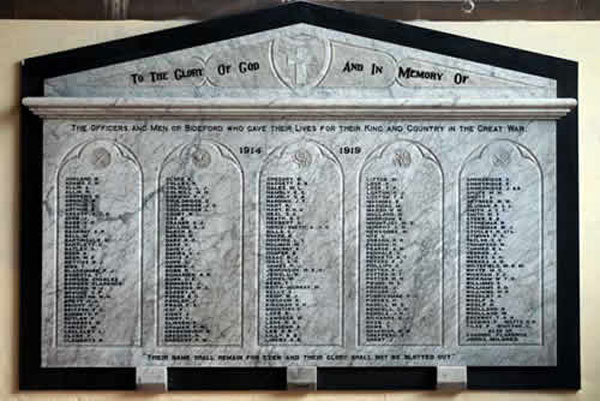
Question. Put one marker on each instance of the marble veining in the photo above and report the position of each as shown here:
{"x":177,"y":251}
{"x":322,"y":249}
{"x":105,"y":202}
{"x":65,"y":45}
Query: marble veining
{"x":299,"y":197}
{"x":262,"y":230}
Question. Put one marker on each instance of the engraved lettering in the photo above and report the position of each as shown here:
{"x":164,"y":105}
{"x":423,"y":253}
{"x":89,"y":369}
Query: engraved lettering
{"x":409,"y":72}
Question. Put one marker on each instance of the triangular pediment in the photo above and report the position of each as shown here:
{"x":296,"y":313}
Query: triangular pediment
{"x":304,"y":58}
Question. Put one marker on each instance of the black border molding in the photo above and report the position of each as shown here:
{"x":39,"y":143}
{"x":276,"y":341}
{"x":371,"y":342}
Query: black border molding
{"x":566,"y":375}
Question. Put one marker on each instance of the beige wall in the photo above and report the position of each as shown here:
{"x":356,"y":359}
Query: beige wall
{"x":578,"y":41}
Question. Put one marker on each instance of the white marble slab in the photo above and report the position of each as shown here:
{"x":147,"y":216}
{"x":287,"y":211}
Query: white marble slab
{"x":299,"y":197}
{"x":329,"y":243}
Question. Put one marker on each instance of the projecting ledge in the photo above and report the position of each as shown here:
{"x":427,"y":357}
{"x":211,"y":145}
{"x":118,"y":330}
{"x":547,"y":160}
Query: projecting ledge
{"x":185,"y":108}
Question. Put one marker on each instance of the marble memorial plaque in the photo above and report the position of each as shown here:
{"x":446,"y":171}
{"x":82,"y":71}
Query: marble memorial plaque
{"x":299,"y":196}
{"x":270,"y":242}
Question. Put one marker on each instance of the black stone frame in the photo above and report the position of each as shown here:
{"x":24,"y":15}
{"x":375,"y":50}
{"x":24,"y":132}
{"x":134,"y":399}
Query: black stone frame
{"x":566,"y":375}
